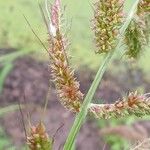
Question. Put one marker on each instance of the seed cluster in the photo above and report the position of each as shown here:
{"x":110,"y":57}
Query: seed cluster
{"x":63,"y":76}
{"x":108,"y":18}
{"x":38,"y":138}
{"x":133,"y":104}
{"x":67,"y":86}
{"x":138,"y":32}
{"x":136,"y":37}
{"x":144,"y":7}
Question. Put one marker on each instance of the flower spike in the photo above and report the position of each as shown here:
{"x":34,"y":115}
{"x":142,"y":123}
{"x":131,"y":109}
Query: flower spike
{"x":67,"y":86}
{"x":133,"y":104}
{"x":136,"y":37}
{"x":38,"y":138}
{"x":138,"y":32}
{"x":108,"y":18}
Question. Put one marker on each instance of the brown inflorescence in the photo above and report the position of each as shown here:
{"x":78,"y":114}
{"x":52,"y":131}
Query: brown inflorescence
{"x":133,"y":104}
{"x":108,"y":18}
{"x":38,"y":138}
{"x":62,"y":74}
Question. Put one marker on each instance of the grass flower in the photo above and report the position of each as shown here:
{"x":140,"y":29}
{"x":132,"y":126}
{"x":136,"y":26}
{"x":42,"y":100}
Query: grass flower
{"x":136,"y":37}
{"x":38,"y":138}
{"x":137,"y":33}
{"x":108,"y":18}
{"x":62,"y":74}
{"x":133,"y":104}
{"x":144,"y":7}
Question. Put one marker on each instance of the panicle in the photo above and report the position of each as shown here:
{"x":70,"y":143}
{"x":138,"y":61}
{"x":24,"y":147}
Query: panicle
{"x":108,"y":18}
{"x":133,"y":104}
{"x":67,"y":86}
{"x":38,"y":138}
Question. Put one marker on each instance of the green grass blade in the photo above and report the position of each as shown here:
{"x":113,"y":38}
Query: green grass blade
{"x":3,"y":74}
{"x":82,"y":115}
{"x":8,"y":109}
{"x":11,"y":56}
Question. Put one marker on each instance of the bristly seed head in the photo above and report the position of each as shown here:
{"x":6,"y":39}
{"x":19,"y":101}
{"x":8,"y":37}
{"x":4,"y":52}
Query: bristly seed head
{"x":133,"y":104}
{"x":63,"y":76}
{"x":136,"y":37}
{"x":108,"y":18}
{"x":138,"y":32}
{"x":38,"y":138}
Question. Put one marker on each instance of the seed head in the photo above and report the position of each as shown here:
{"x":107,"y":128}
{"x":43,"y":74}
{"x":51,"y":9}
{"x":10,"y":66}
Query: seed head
{"x":67,"y":86}
{"x":133,"y":104}
{"x":136,"y":37}
{"x":38,"y":138}
{"x":138,"y":32}
{"x":108,"y":18}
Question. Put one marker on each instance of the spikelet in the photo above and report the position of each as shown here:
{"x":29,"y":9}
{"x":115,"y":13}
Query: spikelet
{"x":108,"y":18}
{"x":67,"y":86}
{"x":133,"y":104}
{"x":136,"y":37}
{"x":38,"y":138}
{"x":138,"y":32}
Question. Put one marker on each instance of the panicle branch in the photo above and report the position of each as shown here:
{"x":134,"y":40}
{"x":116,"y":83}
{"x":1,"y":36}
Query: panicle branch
{"x":133,"y":104}
{"x":62,"y":74}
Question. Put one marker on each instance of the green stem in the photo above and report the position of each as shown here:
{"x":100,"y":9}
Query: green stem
{"x":12,"y":56}
{"x":84,"y":109}
{"x":3,"y":74}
